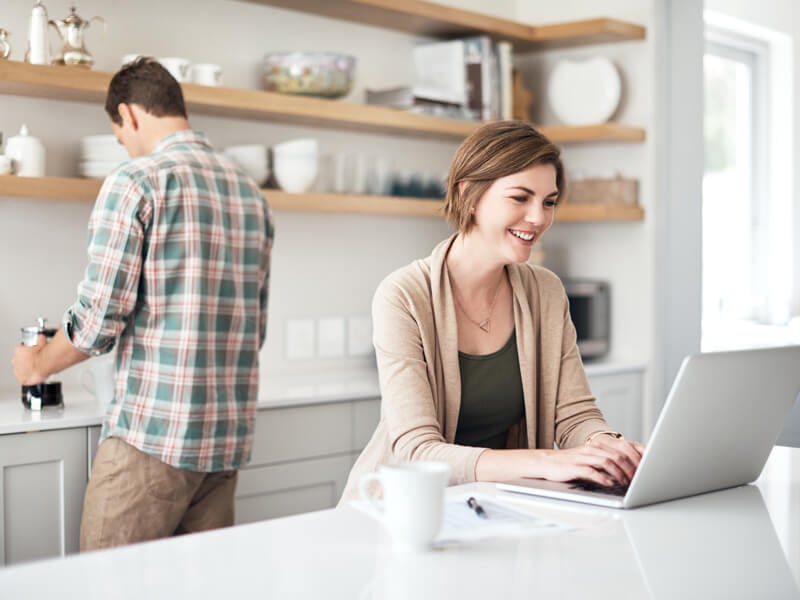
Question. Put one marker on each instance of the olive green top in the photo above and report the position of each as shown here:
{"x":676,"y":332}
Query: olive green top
{"x":491,"y":396}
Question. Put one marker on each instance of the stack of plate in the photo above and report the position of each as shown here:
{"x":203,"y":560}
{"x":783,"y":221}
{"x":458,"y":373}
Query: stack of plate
{"x":100,"y":155}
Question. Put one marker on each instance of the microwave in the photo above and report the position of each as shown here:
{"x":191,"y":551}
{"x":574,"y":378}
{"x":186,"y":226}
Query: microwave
{"x":590,"y":309}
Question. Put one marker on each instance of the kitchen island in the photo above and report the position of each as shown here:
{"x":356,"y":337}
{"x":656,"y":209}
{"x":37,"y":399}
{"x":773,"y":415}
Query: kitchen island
{"x":742,"y":543}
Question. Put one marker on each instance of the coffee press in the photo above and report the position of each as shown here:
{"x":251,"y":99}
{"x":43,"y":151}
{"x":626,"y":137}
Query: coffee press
{"x":47,"y":393}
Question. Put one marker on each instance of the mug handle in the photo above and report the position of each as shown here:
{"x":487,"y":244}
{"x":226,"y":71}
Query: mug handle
{"x":363,"y":490}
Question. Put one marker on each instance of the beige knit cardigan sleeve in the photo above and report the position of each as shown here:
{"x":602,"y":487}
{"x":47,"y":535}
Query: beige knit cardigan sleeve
{"x":416,"y":346}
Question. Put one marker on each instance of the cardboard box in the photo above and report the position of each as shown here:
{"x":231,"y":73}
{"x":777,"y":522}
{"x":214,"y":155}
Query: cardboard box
{"x":604,"y":191}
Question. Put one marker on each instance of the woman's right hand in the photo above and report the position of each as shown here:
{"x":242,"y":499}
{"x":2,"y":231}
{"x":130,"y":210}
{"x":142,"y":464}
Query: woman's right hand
{"x":604,"y":465}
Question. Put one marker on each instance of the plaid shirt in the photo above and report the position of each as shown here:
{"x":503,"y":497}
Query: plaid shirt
{"x":178,"y":273}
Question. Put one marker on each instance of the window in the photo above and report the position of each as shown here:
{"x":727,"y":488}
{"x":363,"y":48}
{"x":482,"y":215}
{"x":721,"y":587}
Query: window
{"x":744,"y":300}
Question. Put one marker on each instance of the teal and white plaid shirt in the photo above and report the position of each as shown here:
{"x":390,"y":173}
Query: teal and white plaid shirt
{"x":178,"y":274}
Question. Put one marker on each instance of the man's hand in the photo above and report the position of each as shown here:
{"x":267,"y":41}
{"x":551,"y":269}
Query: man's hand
{"x":27,"y":364}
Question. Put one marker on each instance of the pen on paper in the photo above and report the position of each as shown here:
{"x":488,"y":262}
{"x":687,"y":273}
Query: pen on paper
{"x":473,"y":504}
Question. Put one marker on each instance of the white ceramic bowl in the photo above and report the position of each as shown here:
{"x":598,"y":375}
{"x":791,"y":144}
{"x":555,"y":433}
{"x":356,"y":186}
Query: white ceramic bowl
{"x":252,"y":159}
{"x":295,"y":174}
{"x":298,"y":147}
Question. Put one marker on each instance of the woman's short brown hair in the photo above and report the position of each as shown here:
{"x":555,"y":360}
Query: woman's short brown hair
{"x":146,"y":83}
{"x":495,"y":150}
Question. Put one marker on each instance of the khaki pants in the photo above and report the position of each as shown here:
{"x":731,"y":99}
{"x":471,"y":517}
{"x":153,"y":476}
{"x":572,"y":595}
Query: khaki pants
{"x":133,"y":497}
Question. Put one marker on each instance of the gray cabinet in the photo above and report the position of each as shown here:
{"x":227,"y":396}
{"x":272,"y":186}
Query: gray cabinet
{"x":301,"y":457}
{"x":619,"y":396}
{"x":43,"y":479}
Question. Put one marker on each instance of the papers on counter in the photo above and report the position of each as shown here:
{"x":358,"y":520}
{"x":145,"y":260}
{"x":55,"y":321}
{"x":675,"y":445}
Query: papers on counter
{"x":462,"y":523}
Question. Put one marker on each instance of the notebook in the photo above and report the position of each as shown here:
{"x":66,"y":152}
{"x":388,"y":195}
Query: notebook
{"x":716,"y":430}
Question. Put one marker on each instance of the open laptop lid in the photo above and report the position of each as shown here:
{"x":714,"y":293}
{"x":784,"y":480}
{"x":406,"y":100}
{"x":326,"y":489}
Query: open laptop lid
{"x":716,"y":429}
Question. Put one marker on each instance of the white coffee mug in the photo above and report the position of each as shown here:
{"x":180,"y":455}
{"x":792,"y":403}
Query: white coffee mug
{"x":98,"y":378}
{"x":178,"y":67}
{"x":205,"y":74}
{"x":413,"y":501}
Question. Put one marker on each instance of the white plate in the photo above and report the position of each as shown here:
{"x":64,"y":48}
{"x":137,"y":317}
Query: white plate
{"x":584,"y":92}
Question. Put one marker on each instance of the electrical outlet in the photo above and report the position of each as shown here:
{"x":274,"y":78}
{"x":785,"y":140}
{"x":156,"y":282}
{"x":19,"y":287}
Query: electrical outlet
{"x":299,"y":339}
{"x":359,"y":336}
{"x":330,"y":337}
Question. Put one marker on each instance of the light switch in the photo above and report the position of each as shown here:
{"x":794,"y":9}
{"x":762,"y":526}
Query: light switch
{"x":299,"y":339}
{"x":359,"y":336}
{"x":330,"y":337}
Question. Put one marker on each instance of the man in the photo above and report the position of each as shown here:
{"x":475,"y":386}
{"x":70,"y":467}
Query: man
{"x":177,"y":278}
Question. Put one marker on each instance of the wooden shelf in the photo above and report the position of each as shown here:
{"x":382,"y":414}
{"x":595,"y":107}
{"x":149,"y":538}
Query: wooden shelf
{"x":71,"y":189}
{"x":80,"y":85}
{"x":434,"y":20}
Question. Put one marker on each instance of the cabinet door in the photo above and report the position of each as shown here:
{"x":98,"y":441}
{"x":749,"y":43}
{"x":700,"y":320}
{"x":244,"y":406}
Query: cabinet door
{"x":287,"y":489}
{"x":41,"y":493}
{"x":619,"y":396}
{"x":366,"y":414}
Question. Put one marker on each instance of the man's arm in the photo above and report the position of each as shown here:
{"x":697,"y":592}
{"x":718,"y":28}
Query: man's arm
{"x":34,"y":364}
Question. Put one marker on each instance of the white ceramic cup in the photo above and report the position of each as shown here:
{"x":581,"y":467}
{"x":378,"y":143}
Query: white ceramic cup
{"x":6,"y":165}
{"x":98,"y":378}
{"x":178,"y":67}
{"x":413,"y":501}
{"x":206,"y":74}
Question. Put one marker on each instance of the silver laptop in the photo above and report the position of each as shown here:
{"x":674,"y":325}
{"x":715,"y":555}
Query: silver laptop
{"x":716,"y":430}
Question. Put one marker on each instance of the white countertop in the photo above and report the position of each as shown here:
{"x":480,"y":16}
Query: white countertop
{"x":81,"y":410}
{"x":742,"y":543}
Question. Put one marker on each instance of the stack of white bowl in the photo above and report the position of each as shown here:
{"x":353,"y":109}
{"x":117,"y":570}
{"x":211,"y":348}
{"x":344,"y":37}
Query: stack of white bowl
{"x":252,"y":159}
{"x":295,"y":164}
{"x":100,"y":155}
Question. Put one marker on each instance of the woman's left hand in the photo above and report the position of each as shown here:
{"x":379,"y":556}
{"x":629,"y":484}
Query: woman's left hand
{"x":631,"y":451}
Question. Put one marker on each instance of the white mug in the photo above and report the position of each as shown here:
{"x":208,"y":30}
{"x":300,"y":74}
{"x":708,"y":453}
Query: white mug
{"x":98,"y":378}
{"x":413,"y":501}
{"x":178,"y":67}
{"x":205,"y":74}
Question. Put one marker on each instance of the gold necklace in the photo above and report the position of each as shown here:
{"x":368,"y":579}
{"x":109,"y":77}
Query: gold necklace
{"x":484,"y":325}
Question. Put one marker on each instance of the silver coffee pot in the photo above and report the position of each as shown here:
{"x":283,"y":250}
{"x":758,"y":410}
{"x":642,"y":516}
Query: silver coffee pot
{"x":70,"y":30}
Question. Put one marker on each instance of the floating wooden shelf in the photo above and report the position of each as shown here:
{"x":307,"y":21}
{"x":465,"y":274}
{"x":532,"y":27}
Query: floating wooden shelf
{"x":435,"y":20}
{"x":68,"y":188}
{"x":80,"y":85}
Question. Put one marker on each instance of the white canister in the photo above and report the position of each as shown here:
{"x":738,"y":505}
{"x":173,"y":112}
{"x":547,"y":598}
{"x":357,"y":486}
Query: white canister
{"x":27,"y":152}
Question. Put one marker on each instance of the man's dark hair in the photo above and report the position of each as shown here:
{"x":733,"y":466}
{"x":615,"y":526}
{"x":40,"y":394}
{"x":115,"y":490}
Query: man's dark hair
{"x":146,"y":83}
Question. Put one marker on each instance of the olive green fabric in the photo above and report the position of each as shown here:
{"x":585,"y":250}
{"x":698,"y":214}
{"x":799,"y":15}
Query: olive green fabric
{"x":491,"y":397}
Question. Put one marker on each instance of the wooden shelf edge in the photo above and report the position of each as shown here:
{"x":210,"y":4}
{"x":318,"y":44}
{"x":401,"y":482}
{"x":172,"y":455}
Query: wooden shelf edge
{"x":71,"y":84}
{"x":435,"y":20}
{"x":73,"y":188}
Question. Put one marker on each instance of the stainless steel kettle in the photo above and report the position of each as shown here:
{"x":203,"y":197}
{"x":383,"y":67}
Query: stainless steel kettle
{"x":70,"y":30}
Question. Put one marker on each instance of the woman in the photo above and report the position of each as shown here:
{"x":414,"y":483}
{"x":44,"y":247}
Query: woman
{"x":476,"y":351}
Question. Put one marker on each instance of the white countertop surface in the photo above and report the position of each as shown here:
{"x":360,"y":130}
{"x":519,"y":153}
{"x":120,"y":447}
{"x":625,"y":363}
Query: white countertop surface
{"x":742,"y":543}
{"x":81,"y":410}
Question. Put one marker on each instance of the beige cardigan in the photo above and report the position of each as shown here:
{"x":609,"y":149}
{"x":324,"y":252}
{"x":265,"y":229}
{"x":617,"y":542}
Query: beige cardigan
{"x":416,"y":344}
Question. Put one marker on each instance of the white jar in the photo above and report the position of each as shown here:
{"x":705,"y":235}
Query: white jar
{"x":27,"y":152}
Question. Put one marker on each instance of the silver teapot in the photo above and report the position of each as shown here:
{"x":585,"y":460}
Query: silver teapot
{"x":70,"y":30}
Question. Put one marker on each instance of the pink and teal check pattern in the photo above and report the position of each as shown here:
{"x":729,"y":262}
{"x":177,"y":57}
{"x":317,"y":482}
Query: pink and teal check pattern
{"x":178,"y":276}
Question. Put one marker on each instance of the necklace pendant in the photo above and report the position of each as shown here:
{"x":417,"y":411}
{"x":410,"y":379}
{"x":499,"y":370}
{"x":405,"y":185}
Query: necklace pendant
{"x":484,"y":325}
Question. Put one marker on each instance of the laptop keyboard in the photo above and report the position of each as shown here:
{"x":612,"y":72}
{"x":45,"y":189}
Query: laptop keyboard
{"x":617,"y":489}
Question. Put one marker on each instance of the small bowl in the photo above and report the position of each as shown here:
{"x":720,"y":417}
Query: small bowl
{"x":322,"y":74}
{"x":295,"y":174}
